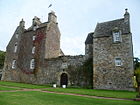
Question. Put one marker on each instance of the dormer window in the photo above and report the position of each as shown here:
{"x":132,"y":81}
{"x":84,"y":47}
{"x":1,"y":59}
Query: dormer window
{"x":117,"y":36}
{"x":15,"y":48}
{"x":13,"y":64}
{"x":32,"y":64}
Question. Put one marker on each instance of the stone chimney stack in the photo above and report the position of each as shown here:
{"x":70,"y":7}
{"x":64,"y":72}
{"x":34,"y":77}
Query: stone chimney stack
{"x":52,"y":17}
{"x":126,"y":16}
{"x":22,"y":23}
{"x":36,"y":21}
{"x":127,"y":20}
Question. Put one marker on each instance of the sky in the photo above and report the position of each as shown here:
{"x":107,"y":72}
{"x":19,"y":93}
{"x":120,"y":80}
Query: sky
{"x":76,"y":18}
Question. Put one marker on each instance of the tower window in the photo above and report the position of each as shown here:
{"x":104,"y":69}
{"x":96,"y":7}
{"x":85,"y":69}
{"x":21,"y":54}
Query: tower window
{"x":118,"y":62}
{"x":117,"y":36}
{"x":15,"y":49}
{"x":33,"y":50}
{"x":32,"y":64}
{"x":13,"y":64}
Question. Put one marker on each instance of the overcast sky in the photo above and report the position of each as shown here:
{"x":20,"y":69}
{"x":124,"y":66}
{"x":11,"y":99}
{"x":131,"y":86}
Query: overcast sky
{"x":76,"y":18}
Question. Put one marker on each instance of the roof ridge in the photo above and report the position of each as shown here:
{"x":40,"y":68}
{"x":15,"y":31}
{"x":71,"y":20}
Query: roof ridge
{"x":111,"y":21}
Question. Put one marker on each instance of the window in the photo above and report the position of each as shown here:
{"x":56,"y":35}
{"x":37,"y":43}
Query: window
{"x":15,"y":49}
{"x":17,"y":35}
{"x":118,"y":62}
{"x":33,"y":50}
{"x":13,"y":64}
{"x":32,"y":64}
{"x":117,"y":36}
{"x":34,"y":37}
{"x":35,"y":27}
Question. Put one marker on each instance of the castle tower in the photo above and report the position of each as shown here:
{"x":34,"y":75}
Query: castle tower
{"x":52,"y":45}
{"x":52,"y":17}
{"x":113,"y":55}
{"x":89,"y":46}
{"x":22,"y":23}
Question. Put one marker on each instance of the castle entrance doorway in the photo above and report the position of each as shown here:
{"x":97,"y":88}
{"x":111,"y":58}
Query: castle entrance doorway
{"x":64,"y":79}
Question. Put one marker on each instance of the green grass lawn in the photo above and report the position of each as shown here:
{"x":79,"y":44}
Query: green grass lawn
{"x":22,"y":85}
{"x":6,"y":88}
{"x":40,"y":98}
{"x":93,"y":92}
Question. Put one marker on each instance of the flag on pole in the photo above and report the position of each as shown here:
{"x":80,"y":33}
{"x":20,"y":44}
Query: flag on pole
{"x":49,"y":5}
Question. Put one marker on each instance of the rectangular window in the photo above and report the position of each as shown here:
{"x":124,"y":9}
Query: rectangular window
{"x":34,"y":37}
{"x":117,"y":36}
{"x":32,"y":64}
{"x":33,"y":50}
{"x":15,"y":49}
{"x":118,"y":62}
{"x":13,"y":64}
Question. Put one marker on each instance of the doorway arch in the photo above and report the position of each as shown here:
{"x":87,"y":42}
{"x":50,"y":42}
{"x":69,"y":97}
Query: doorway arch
{"x":64,"y":79}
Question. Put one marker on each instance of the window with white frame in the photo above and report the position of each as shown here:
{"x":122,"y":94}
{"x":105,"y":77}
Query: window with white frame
{"x":14,"y":64}
{"x":32,"y":64}
{"x":34,"y":37}
{"x":15,"y":48}
{"x":117,"y":36}
{"x":33,"y":50}
{"x":118,"y":62}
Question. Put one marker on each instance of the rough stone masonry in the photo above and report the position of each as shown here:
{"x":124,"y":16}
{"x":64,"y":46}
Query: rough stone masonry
{"x":34,"y":55}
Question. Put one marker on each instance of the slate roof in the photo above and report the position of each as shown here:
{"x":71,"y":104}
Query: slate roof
{"x":105,"y":28}
{"x":89,"y":39}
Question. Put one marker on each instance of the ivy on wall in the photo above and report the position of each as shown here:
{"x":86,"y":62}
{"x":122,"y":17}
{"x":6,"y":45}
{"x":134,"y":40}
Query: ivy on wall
{"x":2,"y":57}
{"x":82,"y":76}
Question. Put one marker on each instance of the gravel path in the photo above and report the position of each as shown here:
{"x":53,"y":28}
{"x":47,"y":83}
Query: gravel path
{"x":40,"y":90}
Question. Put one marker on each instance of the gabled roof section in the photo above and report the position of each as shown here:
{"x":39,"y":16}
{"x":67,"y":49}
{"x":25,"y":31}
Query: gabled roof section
{"x":89,"y":39}
{"x":105,"y":28}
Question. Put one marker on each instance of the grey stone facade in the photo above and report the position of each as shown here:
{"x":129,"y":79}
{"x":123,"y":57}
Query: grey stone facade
{"x":38,"y":58}
{"x":50,"y":62}
{"x":106,"y":74}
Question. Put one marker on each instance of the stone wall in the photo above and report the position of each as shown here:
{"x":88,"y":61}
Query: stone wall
{"x":89,"y":51}
{"x":52,"y":44}
{"x":106,"y":74}
{"x":51,"y":71}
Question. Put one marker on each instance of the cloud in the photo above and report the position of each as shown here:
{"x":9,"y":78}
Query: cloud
{"x":76,"y":18}
{"x":73,"y":45}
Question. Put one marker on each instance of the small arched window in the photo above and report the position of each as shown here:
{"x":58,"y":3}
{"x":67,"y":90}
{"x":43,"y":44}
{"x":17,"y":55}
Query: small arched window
{"x":15,"y":48}
{"x":14,"y":64}
{"x":32,"y":64}
{"x":33,"y":50}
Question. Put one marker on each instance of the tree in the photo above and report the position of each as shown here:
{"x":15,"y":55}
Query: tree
{"x":137,"y":73}
{"x":2,"y":57}
{"x":136,"y":63}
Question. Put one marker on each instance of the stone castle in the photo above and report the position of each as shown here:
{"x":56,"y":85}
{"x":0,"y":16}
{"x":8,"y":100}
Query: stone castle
{"x":34,"y":55}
